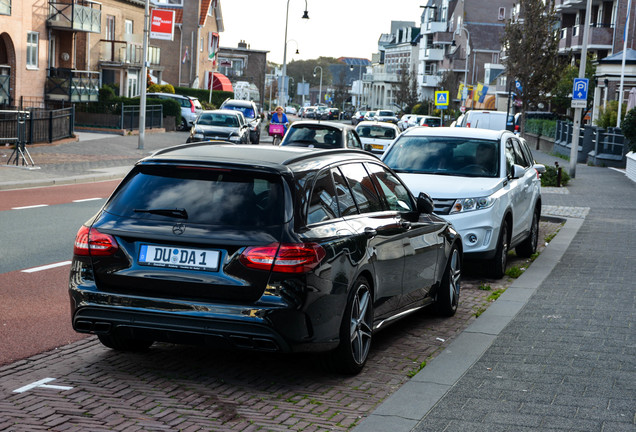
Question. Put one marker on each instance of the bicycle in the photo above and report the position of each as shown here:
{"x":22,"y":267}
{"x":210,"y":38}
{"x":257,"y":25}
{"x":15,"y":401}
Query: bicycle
{"x":277,"y":131}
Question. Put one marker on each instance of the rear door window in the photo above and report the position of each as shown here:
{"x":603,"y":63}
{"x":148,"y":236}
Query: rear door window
{"x":201,"y":196}
{"x":364,"y":192}
{"x":323,"y":203}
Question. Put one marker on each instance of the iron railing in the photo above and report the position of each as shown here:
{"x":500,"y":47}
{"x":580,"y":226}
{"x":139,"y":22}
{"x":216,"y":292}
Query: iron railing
{"x":72,"y":85}
{"x":80,"y":15}
{"x":39,"y":125}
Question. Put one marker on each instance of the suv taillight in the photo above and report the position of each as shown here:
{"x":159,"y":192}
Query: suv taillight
{"x":90,"y":242}
{"x":283,"y":257}
{"x":191,"y":105}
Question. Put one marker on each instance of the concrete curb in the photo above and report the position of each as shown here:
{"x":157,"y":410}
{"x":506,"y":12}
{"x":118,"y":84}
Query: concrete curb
{"x":405,"y":408}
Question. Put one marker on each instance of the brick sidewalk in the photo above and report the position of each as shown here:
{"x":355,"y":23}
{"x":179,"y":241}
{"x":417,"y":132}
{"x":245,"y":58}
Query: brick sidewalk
{"x":194,"y":389}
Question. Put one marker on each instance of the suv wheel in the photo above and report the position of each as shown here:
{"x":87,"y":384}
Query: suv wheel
{"x":448,"y":294}
{"x":498,"y":263}
{"x":355,"y":332}
{"x":529,"y":245}
{"x":184,"y":125}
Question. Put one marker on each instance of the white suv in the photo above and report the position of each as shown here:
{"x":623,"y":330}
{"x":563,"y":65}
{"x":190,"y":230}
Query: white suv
{"x":483,"y":181}
{"x":190,"y":107}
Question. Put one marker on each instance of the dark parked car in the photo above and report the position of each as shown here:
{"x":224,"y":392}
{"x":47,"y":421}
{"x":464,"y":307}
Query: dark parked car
{"x":227,"y":125}
{"x":262,"y":248}
{"x":251,"y":114}
{"x":321,"y":134}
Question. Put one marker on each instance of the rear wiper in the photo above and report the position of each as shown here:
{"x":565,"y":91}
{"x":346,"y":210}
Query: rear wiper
{"x":175,"y":213}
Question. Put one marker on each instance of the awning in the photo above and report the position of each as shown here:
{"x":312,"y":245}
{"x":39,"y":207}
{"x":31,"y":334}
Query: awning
{"x":221,"y":82}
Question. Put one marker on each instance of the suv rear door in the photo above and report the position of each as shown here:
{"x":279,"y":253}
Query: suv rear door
{"x":522,"y":189}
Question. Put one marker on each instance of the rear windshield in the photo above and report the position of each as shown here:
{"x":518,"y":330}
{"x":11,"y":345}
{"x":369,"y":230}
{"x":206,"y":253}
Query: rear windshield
{"x":432,"y":122}
{"x":466,"y":157}
{"x":376,"y":131}
{"x":247,"y":111}
{"x":317,"y":135}
{"x":214,"y":119}
{"x":201,"y":196}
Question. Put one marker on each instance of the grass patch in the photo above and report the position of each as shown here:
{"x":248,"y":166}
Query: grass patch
{"x":549,"y":237}
{"x":479,"y":311}
{"x":415,"y":370}
{"x":514,"y":272}
{"x":485,"y":287}
{"x":495,"y":295}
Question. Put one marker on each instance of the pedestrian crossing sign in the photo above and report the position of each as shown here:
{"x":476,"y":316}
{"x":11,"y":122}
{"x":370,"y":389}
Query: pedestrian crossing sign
{"x":441,"y":98}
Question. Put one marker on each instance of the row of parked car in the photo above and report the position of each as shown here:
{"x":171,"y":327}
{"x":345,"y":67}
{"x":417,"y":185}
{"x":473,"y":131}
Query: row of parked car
{"x":320,"y":112}
{"x":311,"y":246}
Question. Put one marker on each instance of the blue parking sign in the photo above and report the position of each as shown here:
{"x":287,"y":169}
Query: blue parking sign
{"x":579,"y":89}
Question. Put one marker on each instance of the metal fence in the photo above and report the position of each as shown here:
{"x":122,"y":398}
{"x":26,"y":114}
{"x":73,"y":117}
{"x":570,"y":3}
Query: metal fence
{"x":597,"y":146}
{"x":130,"y":116}
{"x":118,"y":117}
{"x":41,"y":125}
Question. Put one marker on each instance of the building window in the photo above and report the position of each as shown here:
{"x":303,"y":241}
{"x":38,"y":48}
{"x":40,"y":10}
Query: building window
{"x":495,"y":57}
{"x":32,"y":49}
{"x":129,"y":27}
{"x":110,"y":27}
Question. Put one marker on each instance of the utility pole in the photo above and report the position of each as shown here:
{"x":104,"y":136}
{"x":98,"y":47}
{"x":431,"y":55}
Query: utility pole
{"x":144,"y":75}
{"x":574,"y":151}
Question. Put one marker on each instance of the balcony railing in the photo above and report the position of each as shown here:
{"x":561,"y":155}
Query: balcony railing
{"x":79,"y":15}
{"x":120,"y":52}
{"x":72,"y":85}
{"x":5,"y":7}
{"x":442,"y":38}
{"x":599,"y":37}
{"x":435,"y":26}
{"x":433,"y":54}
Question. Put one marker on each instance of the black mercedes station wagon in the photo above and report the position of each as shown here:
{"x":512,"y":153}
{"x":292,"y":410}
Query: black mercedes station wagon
{"x":263,"y":248}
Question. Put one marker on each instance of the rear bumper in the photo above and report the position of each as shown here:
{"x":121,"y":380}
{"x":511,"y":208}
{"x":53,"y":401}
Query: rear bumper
{"x":271,"y":326}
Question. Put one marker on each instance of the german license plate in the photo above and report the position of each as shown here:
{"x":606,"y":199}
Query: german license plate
{"x":377,"y":146}
{"x":181,"y":258}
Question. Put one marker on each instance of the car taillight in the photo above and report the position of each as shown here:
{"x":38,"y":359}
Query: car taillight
{"x":467,"y":124}
{"x":90,"y":242}
{"x":283,"y":257}
{"x":192,"y":106}
{"x":516,"y":128}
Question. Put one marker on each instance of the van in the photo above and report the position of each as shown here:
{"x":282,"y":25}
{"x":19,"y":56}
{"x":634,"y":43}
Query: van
{"x":493,"y":120}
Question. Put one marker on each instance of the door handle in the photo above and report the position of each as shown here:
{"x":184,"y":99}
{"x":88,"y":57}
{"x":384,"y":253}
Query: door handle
{"x":370,"y":232}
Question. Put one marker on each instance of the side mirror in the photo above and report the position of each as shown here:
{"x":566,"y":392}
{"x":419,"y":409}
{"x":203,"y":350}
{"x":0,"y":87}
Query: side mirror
{"x":539,"y":167}
{"x":425,"y":203}
{"x":367,"y":147}
{"x":517,"y":171}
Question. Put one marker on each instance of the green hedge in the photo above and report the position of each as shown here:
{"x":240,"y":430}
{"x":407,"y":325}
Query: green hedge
{"x":204,"y":95}
{"x":541,"y":127}
{"x":112,"y":105}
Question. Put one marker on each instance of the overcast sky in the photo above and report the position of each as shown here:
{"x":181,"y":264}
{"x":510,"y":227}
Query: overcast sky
{"x":336,"y":28}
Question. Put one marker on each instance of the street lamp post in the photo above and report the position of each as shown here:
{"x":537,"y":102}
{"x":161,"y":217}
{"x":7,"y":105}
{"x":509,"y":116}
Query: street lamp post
{"x":319,"y":88}
{"x":282,"y":91}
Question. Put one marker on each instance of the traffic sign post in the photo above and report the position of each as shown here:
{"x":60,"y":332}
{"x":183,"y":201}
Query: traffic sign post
{"x":441,"y":99}
{"x":579,"y":92}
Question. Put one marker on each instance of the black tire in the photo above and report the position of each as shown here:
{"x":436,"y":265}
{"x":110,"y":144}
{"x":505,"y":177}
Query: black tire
{"x":184,"y":125}
{"x":257,"y":139}
{"x":526,"y":248}
{"x":276,"y":140}
{"x":121,"y":343}
{"x":356,"y":332}
{"x":497,"y":265}
{"x":448,"y":294}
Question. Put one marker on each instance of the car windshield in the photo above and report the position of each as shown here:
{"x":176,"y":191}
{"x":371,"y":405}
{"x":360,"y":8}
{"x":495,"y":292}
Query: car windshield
{"x":313,"y":136}
{"x":376,"y":132}
{"x":467,"y":157}
{"x":201,"y":196}
{"x":247,"y":111}
{"x":386,"y":113}
{"x":209,"y":119}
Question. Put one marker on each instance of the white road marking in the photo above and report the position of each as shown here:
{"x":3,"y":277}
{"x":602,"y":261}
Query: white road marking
{"x":30,"y":207}
{"x":42,"y":383}
{"x":86,"y":199}
{"x":46,"y":267}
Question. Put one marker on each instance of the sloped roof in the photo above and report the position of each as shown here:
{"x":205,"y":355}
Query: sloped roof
{"x":630,"y":56}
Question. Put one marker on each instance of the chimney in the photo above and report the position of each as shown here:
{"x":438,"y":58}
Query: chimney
{"x":242,"y":44}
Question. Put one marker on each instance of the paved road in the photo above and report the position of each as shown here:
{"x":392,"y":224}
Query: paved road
{"x":568,"y":341}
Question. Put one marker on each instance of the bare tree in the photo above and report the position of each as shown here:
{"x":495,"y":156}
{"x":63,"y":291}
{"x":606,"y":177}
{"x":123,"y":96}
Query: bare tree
{"x":531,"y":46}
{"x":406,"y":94}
